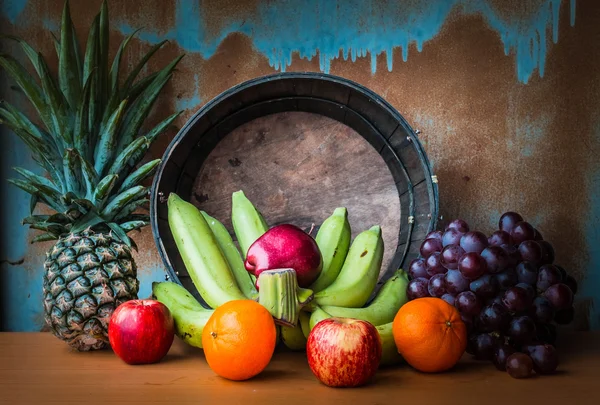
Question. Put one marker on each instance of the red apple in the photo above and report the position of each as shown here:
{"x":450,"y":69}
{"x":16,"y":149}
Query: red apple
{"x":286,"y":246}
{"x":343,"y":352}
{"x":141,"y":331}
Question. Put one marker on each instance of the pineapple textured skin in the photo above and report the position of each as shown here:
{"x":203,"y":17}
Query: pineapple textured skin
{"x":87,"y":275}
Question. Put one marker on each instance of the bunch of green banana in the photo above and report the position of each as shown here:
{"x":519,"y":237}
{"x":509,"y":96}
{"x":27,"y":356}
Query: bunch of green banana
{"x":189,"y":316}
{"x":201,"y":253}
{"x":333,"y":239}
{"x":359,"y":273}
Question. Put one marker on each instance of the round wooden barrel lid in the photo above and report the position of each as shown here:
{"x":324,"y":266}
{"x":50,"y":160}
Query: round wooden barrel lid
{"x":299,"y":145}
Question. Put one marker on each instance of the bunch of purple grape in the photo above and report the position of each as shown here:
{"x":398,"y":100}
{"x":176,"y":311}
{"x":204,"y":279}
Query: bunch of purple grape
{"x":508,"y":290}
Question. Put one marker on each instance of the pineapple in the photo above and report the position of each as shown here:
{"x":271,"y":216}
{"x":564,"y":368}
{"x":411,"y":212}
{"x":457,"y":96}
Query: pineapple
{"x":88,"y":139}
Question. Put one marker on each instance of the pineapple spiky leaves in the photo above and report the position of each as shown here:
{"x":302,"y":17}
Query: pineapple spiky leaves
{"x":88,"y":138}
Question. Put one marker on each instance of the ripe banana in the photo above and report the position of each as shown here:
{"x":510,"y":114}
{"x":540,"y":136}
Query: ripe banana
{"x":248,"y":222}
{"x":333,"y":239}
{"x":190,"y":317}
{"x":359,"y":274}
{"x":201,"y":254}
{"x":389,"y":350}
{"x":236,"y":264}
{"x":384,"y":306}
{"x":293,"y":337}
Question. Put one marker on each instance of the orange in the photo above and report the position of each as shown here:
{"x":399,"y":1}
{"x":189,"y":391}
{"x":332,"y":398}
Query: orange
{"x":239,"y":339}
{"x":429,"y":334}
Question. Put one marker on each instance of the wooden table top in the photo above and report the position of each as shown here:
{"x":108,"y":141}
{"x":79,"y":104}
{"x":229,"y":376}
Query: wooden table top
{"x":37,"y":368}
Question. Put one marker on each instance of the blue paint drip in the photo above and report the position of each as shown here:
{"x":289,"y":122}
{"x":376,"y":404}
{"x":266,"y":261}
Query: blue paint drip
{"x":281,"y":28}
{"x":12,"y":9}
{"x":589,"y":286}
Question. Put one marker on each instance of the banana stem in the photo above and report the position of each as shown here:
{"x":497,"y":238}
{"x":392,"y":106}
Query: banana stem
{"x":280,"y":294}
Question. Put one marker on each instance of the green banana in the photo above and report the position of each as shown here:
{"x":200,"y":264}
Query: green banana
{"x":199,"y":249}
{"x":248,"y":222}
{"x":384,"y":306}
{"x":317,"y":316}
{"x":293,"y":337}
{"x":389,"y":350}
{"x":232,"y":255}
{"x":190,"y":317}
{"x":171,"y":293}
{"x":304,"y":322}
{"x":333,"y":239}
{"x":359,"y":274}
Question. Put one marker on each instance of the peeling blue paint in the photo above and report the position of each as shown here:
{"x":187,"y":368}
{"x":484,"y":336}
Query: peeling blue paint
{"x":589,"y":286}
{"x":12,"y":9}
{"x":573,"y":6}
{"x":332,"y":29}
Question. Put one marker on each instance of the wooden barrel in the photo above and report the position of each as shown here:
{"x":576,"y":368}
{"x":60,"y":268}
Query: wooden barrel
{"x":299,"y":145}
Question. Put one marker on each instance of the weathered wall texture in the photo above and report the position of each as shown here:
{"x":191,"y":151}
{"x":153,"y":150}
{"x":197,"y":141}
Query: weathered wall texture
{"x":506,"y":95}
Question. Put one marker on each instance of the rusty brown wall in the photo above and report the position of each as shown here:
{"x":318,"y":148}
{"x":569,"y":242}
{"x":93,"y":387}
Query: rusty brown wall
{"x":506,"y":95}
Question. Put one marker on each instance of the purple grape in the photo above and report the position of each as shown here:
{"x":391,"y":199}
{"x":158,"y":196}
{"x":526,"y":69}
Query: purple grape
{"x":451,"y":237}
{"x":519,"y":365}
{"x":529,"y":289}
{"x":496,"y":300}
{"x":496,"y":259}
{"x":473,"y":241}
{"x":508,"y":220}
{"x":548,"y":275}
{"x":449,"y":298}
{"x":484,"y":346}
{"x":455,"y":282}
{"x":434,"y":264}
{"x":485,"y":286}
{"x":468,"y":303}
{"x":564,"y":316}
{"x":531,"y":251}
{"x":451,"y":254}
{"x":559,"y":295}
{"x":430,"y":246}
{"x":494,"y":317}
{"x":472,"y":265}
{"x":501,"y":354}
{"x":435,"y":235}
{"x":417,"y":288}
{"x":541,"y":310}
{"x":527,"y":273}
{"x":522,"y":329}
{"x":514,"y":257}
{"x":537,"y":235}
{"x":499,"y":238}
{"x":458,"y":224}
{"x":544,"y":357}
{"x":563,"y":272}
{"x":571,"y":283}
{"x":547,"y":252}
{"x":417,"y":268}
{"x":437,"y":285}
{"x":507,"y":279}
{"x":521,"y":232}
{"x":516,"y":299}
